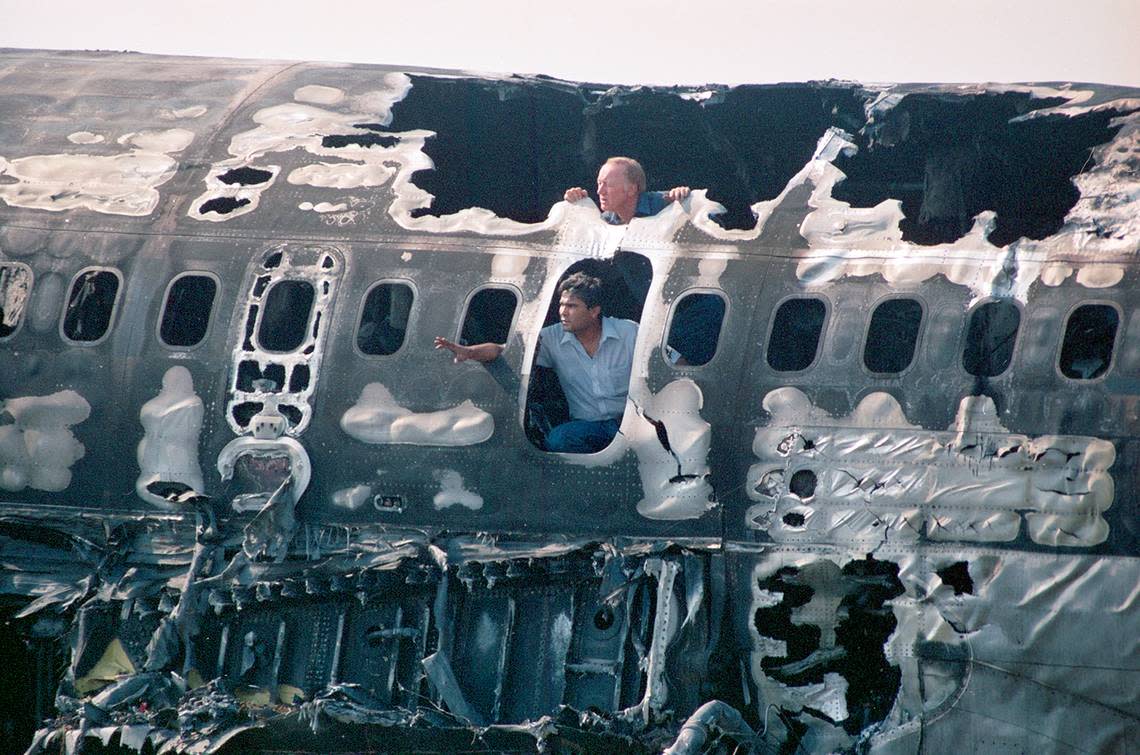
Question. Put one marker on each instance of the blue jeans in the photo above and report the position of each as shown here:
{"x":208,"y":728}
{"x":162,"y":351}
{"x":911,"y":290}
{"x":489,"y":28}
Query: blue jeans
{"x":582,"y":436}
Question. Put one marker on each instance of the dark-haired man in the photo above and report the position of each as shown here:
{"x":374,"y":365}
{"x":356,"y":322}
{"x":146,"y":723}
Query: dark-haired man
{"x":622,"y":195}
{"x":591,"y":355}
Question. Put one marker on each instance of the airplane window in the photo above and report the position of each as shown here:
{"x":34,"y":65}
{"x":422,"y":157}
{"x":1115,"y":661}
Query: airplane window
{"x":990,"y":338}
{"x":90,"y":305}
{"x":286,"y":315}
{"x":384,"y":318}
{"x":15,"y":288}
{"x":794,"y":339}
{"x":186,"y":314}
{"x":695,"y":331}
{"x":489,"y":316}
{"x":892,"y":335}
{"x":1086,"y":351}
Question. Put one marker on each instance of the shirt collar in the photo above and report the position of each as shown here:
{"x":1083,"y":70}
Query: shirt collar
{"x":607,"y":331}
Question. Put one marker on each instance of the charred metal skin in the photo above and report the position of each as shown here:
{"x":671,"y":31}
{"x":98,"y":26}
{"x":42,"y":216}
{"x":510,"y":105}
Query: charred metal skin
{"x":874,"y":488}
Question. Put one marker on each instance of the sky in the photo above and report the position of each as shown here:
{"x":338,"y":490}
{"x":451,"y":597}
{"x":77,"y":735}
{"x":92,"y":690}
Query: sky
{"x":662,"y":42}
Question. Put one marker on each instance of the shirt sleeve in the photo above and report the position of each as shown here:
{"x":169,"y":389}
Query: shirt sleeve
{"x":543,"y":359}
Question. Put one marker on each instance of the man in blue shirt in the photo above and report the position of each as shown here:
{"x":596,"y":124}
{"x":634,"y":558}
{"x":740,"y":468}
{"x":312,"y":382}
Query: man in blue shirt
{"x":622,"y":195}
{"x":591,"y":355}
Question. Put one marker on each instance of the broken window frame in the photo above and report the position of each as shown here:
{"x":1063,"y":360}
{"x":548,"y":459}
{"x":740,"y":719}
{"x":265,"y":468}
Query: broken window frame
{"x":1112,"y":349}
{"x":413,"y":311}
{"x":303,"y":332}
{"x":664,"y":350}
{"x":465,"y":311}
{"x":111,"y":316}
{"x":827,"y":309}
{"x":166,"y":306}
{"x":920,"y":332}
{"x":1017,"y":335}
{"x":31,"y":276}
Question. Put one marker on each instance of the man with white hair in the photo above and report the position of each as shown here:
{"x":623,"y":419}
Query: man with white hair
{"x":622,"y":195}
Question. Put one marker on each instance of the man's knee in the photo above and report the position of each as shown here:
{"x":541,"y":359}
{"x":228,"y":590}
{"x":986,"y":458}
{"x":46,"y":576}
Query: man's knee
{"x":581,"y":436}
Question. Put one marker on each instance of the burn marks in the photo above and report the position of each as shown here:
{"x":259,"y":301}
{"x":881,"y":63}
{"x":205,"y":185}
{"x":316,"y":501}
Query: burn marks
{"x":948,"y":158}
{"x":245,"y":176}
{"x":339,"y":141}
{"x":832,"y":624}
{"x":514,"y":146}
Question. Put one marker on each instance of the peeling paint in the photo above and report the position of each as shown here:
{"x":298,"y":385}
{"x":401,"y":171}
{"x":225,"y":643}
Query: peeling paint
{"x":168,"y":452}
{"x":38,"y":447}
{"x":878,"y":477}
{"x":376,"y":418}
{"x":453,"y":493}
{"x":85,"y":137}
{"x":352,"y":498}
{"x":672,"y":445}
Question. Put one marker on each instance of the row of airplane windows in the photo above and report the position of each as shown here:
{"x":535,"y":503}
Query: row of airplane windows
{"x":793,"y":339}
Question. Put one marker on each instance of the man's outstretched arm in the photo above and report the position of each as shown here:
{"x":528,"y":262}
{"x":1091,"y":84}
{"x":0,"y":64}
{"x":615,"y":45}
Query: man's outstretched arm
{"x":482,"y":352}
{"x":676,"y":194}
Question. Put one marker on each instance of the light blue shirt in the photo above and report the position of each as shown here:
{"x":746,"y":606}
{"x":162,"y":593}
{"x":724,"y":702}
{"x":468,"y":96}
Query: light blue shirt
{"x":595,"y":387}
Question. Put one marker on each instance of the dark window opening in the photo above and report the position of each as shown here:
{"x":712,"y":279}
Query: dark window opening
{"x":990,"y":338}
{"x":1089,"y":336}
{"x":796,"y":330}
{"x":383,"y":322}
{"x":802,"y":484}
{"x":625,"y":283}
{"x":299,"y":378}
{"x":949,"y":157}
{"x":222,"y":205}
{"x":249,"y":374}
{"x":90,"y":305}
{"x":957,"y":576}
{"x":245,"y":176}
{"x":337,"y":141}
{"x":245,"y":411}
{"x":287,"y":308}
{"x":292,"y":413}
{"x":892,"y":335}
{"x":250,"y":324}
{"x":186,"y":314}
{"x":260,"y":285}
{"x":15,"y":289}
{"x":695,"y":330}
{"x":272,"y":261}
{"x":489,"y":316}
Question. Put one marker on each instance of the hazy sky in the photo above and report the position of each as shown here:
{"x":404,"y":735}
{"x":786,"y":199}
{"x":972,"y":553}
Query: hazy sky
{"x":688,"y":42}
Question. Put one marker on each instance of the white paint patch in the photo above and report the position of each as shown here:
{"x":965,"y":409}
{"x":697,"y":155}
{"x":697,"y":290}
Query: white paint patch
{"x":318,"y":95}
{"x":38,"y":448}
{"x":376,"y":418}
{"x":453,"y":493}
{"x":352,"y":498}
{"x":297,"y":125}
{"x":85,"y":137}
{"x":674,"y":481}
{"x":874,"y":476}
{"x":194,"y":111}
{"x":509,"y":266}
{"x":341,"y":175}
{"x":162,"y":140}
{"x":323,"y":207}
{"x":709,"y":270}
{"x":1105,"y":220}
{"x":172,"y":424}
{"x":125,"y":184}
{"x":406,"y":257}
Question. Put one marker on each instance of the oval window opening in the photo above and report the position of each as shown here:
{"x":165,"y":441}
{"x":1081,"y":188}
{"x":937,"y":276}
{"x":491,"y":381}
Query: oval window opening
{"x":795,"y":334}
{"x":1089,"y":336}
{"x":695,"y":331}
{"x":15,"y":289}
{"x":892,"y":335}
{"x":990,"y":338}
{"x":90,"y":305}
{"x":286,"y":317}
{"x":489,"y":316}
{"x":186,"y":314}
{"x":384,"y":319}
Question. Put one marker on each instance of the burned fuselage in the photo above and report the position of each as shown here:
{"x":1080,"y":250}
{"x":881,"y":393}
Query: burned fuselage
{"x":874,"y":488}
